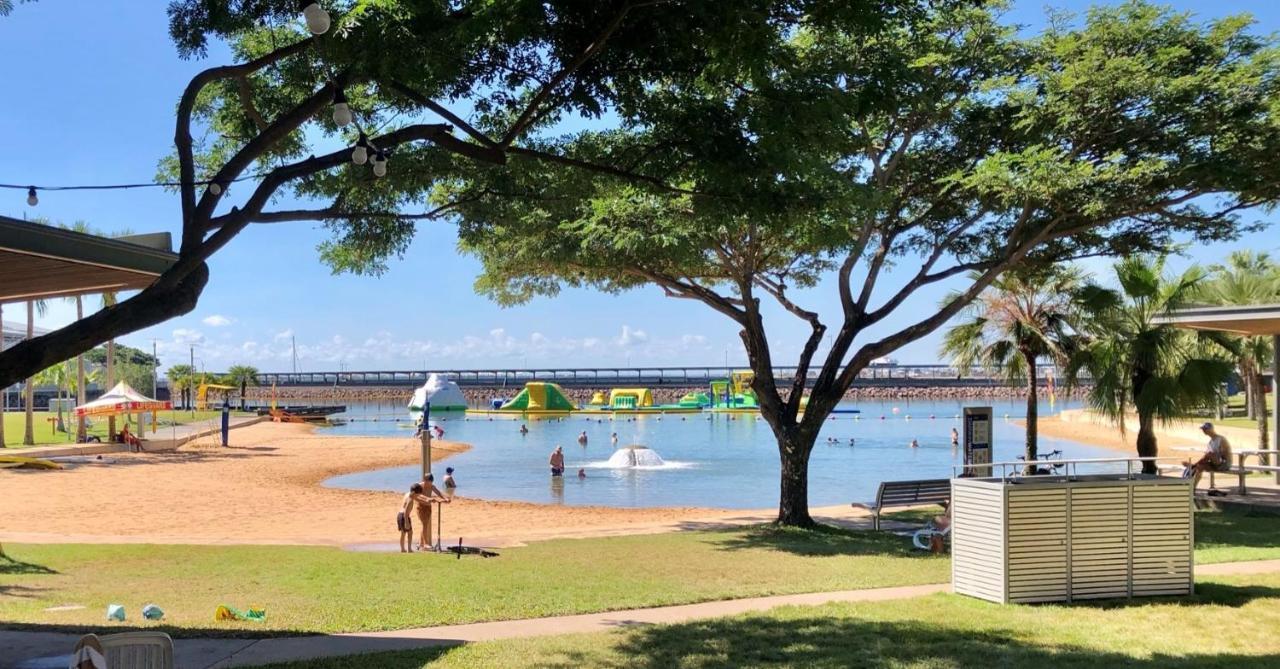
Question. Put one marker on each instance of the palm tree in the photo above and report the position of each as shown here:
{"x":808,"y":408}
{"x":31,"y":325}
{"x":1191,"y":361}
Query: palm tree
{"x":29,"y":390}
{"x":1246,"y":278}
{"x":180,"y":378}
{"x":1159,"y":371}
{"x":1019,"y":320}
{"x":243,"y":376}
{"x":58,"y":376}
{"x":82,"y":227}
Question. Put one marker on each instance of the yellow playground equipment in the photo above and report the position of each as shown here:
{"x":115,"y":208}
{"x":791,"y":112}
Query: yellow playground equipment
{"x":202,"y":393}
{"x":630,"y":398}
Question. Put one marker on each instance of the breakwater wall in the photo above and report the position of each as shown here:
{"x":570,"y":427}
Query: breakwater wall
{"x":481,"y":397}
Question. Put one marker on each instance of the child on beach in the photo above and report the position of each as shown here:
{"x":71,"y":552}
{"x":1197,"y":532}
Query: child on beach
{"x":428,"y":494}
{"x":404,"y":522}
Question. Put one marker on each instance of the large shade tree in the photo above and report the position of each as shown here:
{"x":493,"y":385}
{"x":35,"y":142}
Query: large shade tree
{"x":941,"y":142}
{"x":426,"y":85}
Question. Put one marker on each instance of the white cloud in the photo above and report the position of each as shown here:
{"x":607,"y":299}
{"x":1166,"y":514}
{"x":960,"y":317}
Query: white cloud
{"x":187,"y":337}
{"x":217,"y":321}
{"x":631,"y":337}
{"x":284,"y":334}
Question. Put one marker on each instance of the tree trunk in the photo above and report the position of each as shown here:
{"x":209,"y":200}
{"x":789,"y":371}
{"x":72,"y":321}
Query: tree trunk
{"x":793,"y":500}
{"x":1033,"y":417}
{"x":1249,"y":393}
{"x":111,"y":382}
{"x":155,"y":304}
{"x":1147,"y":446}
{"x":29,"y":390}
{"x":81,"y":423}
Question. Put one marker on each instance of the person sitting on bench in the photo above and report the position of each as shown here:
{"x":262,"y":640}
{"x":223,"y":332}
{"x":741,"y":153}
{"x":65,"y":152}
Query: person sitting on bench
{"x":128,"y":439}
{"x":1217,"y":456}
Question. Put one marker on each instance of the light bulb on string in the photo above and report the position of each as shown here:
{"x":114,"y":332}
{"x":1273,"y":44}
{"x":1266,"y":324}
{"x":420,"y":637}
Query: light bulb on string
{"x":317,"y":19}
{"x":32,"y":199}
{"x":341,"y":111}
{"x":379,"y":164}
{"x":360,"y":154}
{"x":215,"y":188}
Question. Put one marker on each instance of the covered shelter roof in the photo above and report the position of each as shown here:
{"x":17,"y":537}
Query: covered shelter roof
{"x":1260,"y":319}
{"x":39,"y":261}
{"x":121,"y":399}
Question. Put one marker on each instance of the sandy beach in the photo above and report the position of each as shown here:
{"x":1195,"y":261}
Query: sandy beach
{"x":266,"y":490}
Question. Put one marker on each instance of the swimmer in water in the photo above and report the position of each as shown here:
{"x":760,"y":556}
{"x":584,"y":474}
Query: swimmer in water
{"x":915,"y":444}
{"x":582,"y":473}
{"x":582,"y":438}
{"x":524,"y":429}
{"x":614,"y":438}
{"x":955,"y":438}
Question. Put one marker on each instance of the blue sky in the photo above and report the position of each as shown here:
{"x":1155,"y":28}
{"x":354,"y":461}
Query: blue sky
{"x":91,"y":101}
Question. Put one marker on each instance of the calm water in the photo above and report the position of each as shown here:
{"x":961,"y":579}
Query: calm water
{"x":712,"y":460}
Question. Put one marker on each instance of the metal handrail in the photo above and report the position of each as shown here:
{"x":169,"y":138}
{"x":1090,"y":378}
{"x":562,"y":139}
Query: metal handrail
{"x":1071,"y":466}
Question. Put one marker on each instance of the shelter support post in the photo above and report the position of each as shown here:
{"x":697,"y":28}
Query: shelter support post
{"x":1275,"y":401}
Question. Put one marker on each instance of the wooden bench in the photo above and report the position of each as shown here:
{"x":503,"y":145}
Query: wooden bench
{"x":908,"y":493}
{"x":1242,"y":469}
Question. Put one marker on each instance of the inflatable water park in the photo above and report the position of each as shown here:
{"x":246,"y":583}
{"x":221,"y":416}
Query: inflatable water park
{"x":540,"y":399}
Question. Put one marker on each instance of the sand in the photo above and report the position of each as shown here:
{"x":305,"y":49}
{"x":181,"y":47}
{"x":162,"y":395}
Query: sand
{"x":266,"y":490}
{"x":1175,"y":439}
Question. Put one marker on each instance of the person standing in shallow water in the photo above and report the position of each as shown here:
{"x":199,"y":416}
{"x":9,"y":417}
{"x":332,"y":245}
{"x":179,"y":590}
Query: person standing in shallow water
{"x":955,"y":438}
{"x":557,"y":461}
{"x":582,"y":438}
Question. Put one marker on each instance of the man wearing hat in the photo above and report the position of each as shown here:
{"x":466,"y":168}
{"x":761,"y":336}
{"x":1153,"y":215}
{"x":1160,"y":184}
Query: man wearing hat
{"x":1217,"y":455}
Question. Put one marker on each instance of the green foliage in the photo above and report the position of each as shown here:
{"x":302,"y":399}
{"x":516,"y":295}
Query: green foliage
{"x":1020,"y":319}
{"x":180,"y":377}
{"x":1136,"y":363}
{"x":938,"y":138}
{"x":241,"y":374}
{"x":124,"y":355}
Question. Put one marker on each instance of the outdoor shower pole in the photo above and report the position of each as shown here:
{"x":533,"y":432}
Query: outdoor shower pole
{"x":424,"y":434}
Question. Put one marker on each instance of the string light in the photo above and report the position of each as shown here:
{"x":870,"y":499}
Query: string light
{"x":31,"y":196}
{"x":379,"y":164}
{"x":215,"y":188}
{"x":317,"y":19}
{"x":341,"y":112}
{"x":360,"y":154}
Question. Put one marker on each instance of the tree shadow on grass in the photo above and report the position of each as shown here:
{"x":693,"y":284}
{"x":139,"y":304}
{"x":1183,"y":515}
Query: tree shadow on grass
{"x":846,"y":642}
{"x":820,"y":541}
{"x":11,"y":566}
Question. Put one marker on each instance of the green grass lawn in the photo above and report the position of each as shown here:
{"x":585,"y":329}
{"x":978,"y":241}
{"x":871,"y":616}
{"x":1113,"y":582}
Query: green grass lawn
{"x":308,"y":589}
{"x":1230,"y":622}
{"x":15,"y":425}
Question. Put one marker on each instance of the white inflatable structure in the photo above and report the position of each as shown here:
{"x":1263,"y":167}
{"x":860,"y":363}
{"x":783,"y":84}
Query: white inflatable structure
{"x":444,"y":395}
{"x":634,"y":456}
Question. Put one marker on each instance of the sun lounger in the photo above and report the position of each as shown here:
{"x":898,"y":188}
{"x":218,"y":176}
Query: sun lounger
{"x":135,"y":650}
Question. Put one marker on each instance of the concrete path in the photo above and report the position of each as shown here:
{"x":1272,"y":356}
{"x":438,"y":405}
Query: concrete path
{"x":47,"y":650}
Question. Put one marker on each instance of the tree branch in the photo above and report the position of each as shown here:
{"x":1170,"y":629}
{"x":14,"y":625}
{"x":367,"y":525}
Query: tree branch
{"x":522,"y":122}
{"x":182,"y":132}
{"x":419,"y":98}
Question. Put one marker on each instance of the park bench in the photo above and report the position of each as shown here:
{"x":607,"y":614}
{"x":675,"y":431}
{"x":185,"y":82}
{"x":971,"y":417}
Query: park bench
{"x":1243,"y":469}
{"x":908,"y":493}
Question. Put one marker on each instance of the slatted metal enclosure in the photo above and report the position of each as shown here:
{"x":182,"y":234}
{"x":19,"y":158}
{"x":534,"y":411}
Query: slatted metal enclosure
{"x":1056,"y":540}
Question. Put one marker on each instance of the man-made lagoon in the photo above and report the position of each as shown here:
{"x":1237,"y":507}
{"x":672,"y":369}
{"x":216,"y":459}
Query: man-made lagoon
{"x":709,"y":460}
